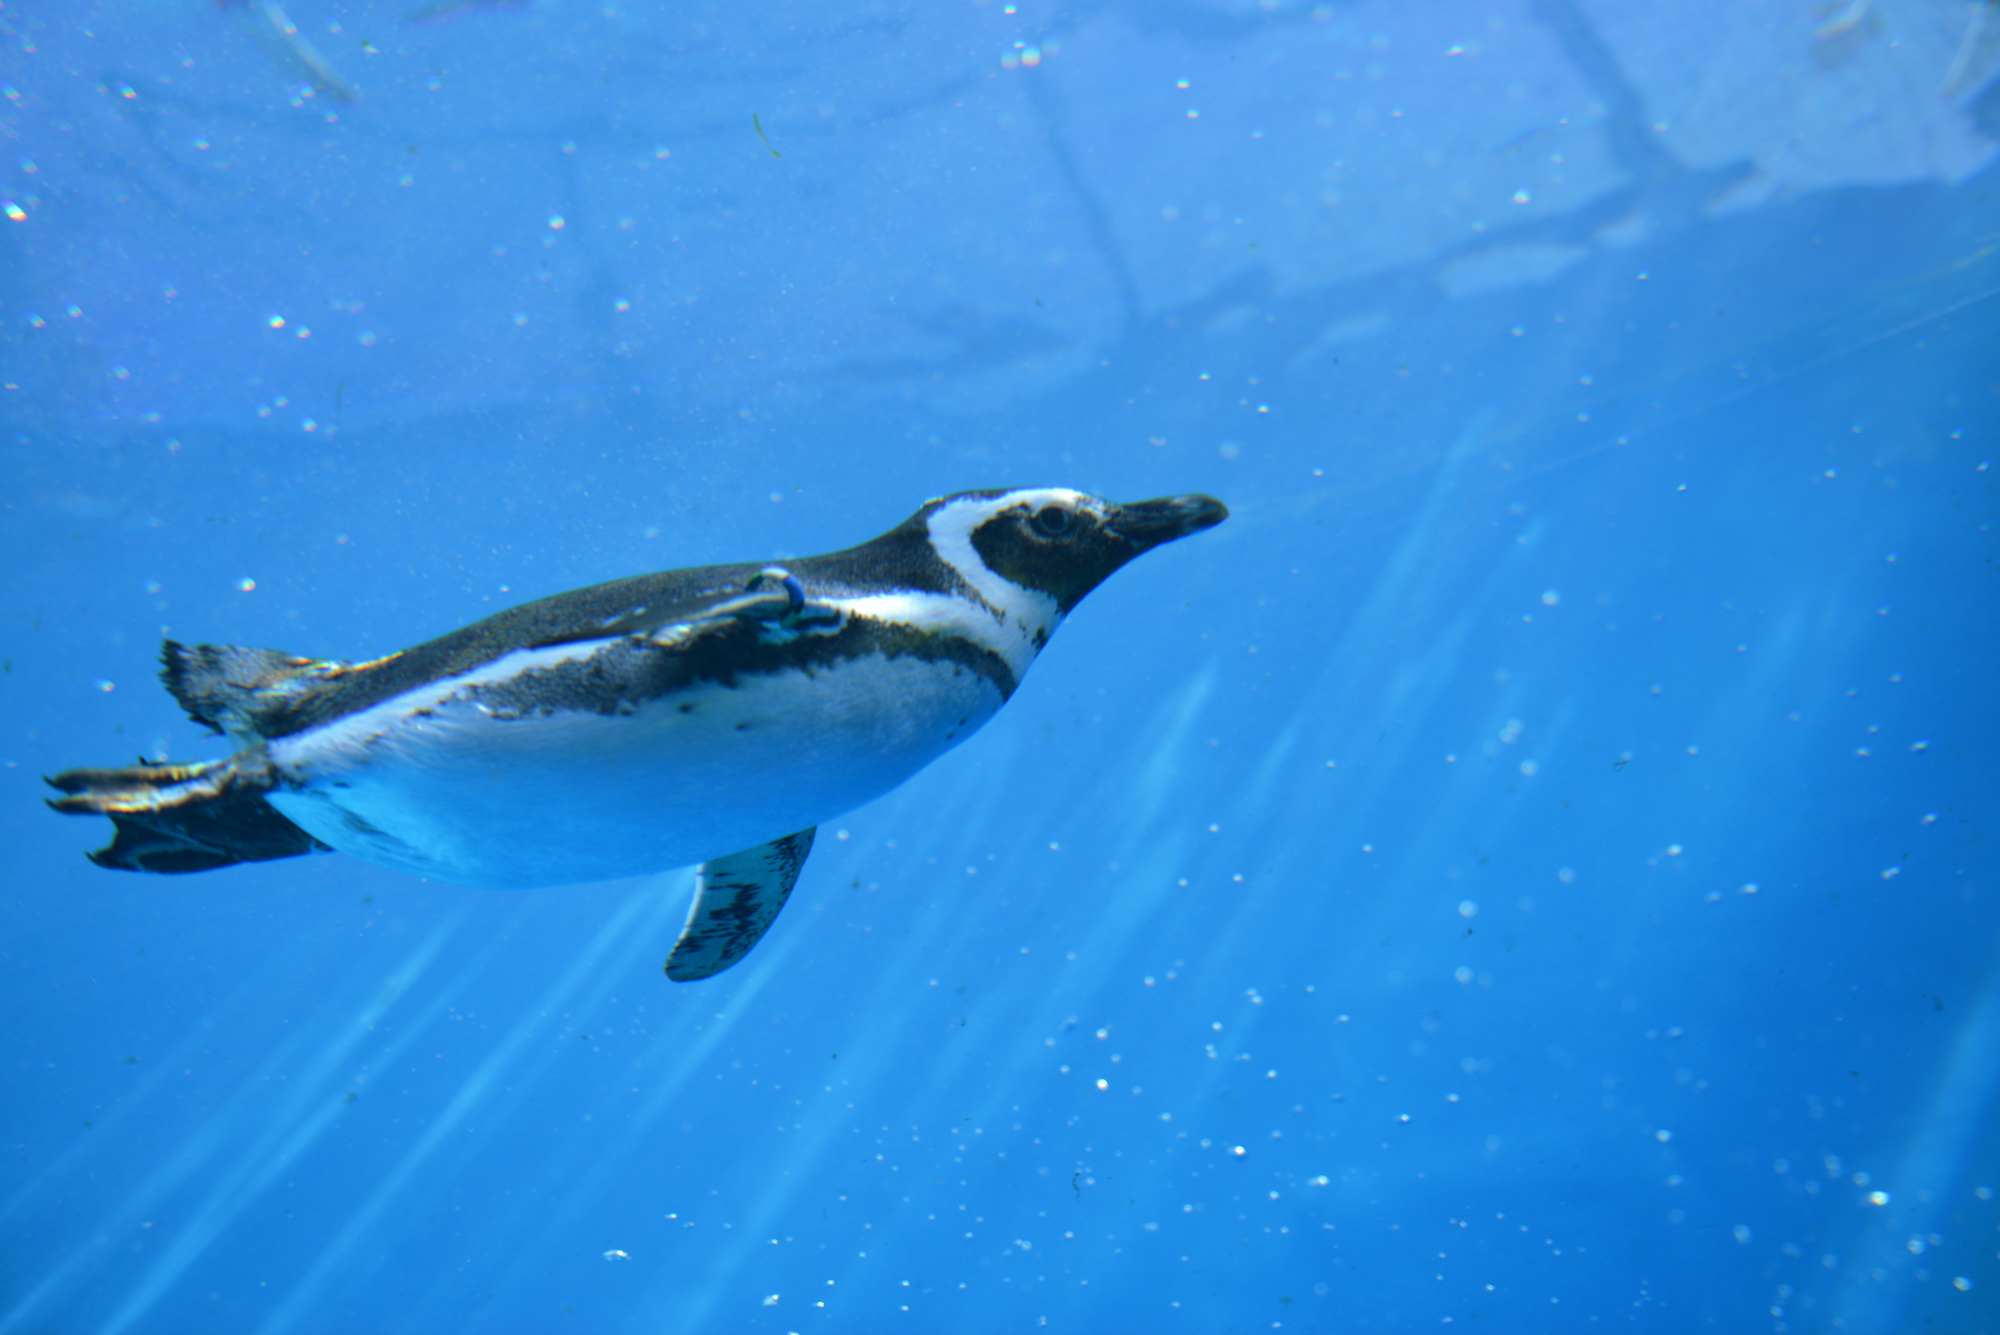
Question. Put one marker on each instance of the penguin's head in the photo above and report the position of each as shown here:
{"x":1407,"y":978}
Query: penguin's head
{"x":1034,"y":552}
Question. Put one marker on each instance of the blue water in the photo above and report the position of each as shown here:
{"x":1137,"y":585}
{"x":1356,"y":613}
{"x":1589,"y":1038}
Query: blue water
{"x":1533,"y":867}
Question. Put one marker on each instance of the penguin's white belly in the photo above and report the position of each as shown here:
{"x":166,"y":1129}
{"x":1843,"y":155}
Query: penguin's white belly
{"x":437,"y":782}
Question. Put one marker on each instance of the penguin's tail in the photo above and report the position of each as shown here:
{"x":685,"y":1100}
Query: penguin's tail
{"x":247,"y":693}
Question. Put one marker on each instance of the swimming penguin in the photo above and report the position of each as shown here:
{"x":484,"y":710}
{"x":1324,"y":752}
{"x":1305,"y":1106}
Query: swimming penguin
{"x":715,"y":715}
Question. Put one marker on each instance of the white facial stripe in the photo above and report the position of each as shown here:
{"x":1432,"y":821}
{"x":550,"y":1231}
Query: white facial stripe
{"x":1009,"y":638}
{"x":951,"y":527}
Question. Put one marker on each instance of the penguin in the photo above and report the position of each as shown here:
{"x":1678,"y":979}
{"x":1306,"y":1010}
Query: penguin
{"x":714,"y":716}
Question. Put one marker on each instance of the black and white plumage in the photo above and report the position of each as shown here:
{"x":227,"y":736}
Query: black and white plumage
{"x":714,"y":715}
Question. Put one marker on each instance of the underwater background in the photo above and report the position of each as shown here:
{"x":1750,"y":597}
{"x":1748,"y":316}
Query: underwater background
{"x":1532,"y":867}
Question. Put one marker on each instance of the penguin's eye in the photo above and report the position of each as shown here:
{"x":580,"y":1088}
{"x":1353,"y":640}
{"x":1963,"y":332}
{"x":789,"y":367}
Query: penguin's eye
{"x":1052,"y":521}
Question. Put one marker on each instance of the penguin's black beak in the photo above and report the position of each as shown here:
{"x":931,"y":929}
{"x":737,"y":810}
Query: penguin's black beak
{"x":1147,"y":524}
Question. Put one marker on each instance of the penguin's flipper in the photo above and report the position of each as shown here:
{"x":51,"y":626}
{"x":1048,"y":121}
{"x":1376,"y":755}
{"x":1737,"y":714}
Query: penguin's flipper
{"x":736,"y":898}
{"x":182,"y":818}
